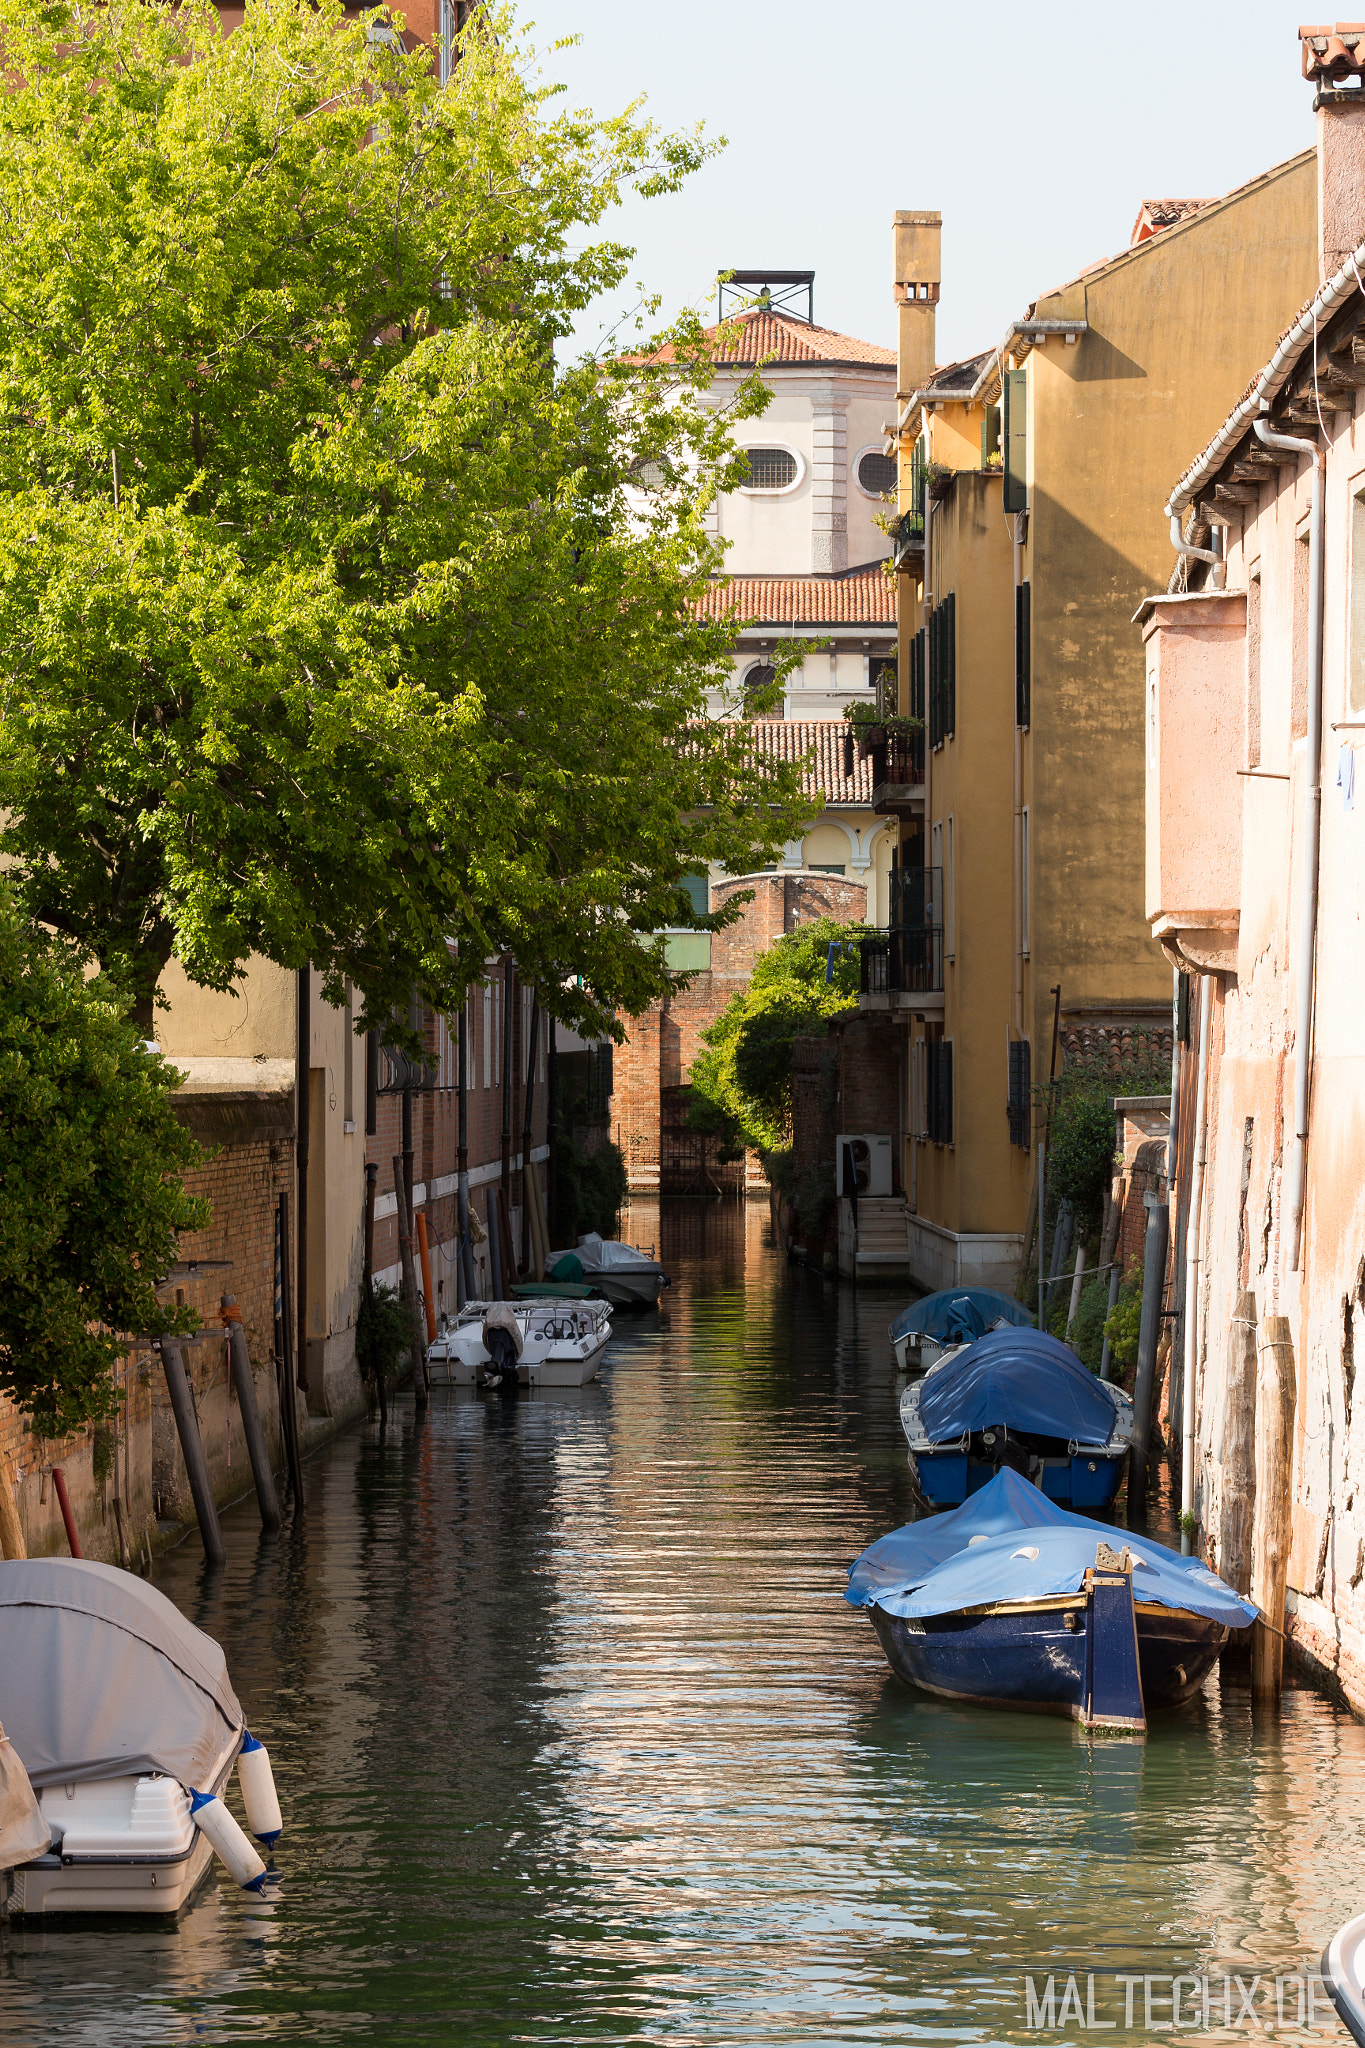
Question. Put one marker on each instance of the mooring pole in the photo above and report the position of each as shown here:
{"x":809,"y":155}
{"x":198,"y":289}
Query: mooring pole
{"x":303,"y":1072}
{"x":465,"y":1262}
{"x":239,"y":1360}
{"x":192,"y":1450}
{"x":289,"y":1412}
{"x":527,"y":1198}
{"x":419,"y":1370}
{"x":1276,"y":1398}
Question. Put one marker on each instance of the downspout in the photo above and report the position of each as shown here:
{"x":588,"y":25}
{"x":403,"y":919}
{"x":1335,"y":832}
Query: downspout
{"x":1019,"y":518}
{"x":1210,"y":555}
{"x":1193,"y":1238}
{"x":1305,"y":952}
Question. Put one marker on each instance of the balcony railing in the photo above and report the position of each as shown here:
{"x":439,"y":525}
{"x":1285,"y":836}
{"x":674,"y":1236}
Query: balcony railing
{"x":908,"y":960}
{"x":898,"y":758}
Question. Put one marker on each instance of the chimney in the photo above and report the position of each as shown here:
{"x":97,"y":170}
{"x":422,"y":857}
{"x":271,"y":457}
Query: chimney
{"x":1334,"y":60}
{"x":916,"y":239}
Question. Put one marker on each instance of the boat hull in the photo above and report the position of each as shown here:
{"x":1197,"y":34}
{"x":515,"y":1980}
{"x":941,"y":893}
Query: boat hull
{"x":625,"y":1287}
{"x":1029,"y":1656}
{"x":1343,"y":1972}
{"x":1085,"y":1479}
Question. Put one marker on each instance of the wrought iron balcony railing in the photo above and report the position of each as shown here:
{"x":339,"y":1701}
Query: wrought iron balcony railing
{"x":908,"y":959}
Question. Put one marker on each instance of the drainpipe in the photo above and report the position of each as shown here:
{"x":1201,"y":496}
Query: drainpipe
{"x":1211,"y":555}
{"x":1193,"y":1235}
{"x":1019,"y":518}
{"x":1305,"y":952}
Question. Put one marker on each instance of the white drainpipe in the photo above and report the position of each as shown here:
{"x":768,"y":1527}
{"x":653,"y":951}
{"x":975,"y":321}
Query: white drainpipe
{"x":1193,"y":1239}
{"x":1182,"y":547}
{"x":1305,"y":948}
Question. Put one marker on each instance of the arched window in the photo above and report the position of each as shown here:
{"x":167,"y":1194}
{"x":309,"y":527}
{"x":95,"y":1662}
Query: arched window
{"x":758,"y":679}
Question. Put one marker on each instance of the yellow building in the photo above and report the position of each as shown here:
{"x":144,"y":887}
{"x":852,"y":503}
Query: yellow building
{"x":1030,"y":485}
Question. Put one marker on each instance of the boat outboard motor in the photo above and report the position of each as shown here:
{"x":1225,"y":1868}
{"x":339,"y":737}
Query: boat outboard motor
{"x":1005,"y":1453}
{"x":502,"y":1340}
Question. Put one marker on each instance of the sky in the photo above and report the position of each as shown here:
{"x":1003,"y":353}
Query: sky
{"x":1037,"y":132}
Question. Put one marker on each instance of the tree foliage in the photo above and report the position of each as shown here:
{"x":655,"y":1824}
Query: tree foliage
{"x":1080,"y":1154}
{"x":742,"y":1076}
{"x":333,"y":622}
{"x":90,"y":1203}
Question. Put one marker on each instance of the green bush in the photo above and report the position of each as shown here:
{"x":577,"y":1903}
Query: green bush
{"x":384,"y":1335}
{"x":1123,"y":1326}
{"x":590,"y":1188}
{"x":809,"y":1195}
{"x":1080,"y":1151}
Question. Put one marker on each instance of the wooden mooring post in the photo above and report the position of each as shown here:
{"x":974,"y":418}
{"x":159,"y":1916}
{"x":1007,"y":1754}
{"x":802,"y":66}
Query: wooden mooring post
{"x":1276,"y":1398}
{"x":1237,"y":1491}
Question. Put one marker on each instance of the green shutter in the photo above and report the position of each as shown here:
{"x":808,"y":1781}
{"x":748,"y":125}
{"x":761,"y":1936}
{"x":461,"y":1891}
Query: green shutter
{"x":990,"y":435}
{"x":1014,"y":390}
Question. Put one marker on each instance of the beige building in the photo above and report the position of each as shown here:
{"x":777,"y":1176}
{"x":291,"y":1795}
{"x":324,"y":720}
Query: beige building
{"x":1255,"y":876}
{"x":1031,"y":480}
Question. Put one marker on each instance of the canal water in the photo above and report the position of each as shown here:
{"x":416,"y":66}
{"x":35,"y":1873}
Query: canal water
{"x":577,"y":1742}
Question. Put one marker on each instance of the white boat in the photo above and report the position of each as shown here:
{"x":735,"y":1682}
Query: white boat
{"x":1343,"y":1972}
{"x":126,"y":1725}
{"x":562,"y":1342}
{"x":627,"y":1276}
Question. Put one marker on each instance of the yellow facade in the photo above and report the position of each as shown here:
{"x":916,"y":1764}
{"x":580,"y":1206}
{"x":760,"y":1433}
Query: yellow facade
{"x":1047,"y":818}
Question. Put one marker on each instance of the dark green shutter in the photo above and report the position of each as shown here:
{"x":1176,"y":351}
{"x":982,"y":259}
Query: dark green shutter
{"x":1014,"y":390}
{"x":1023,"y":655}
{"x":950,"y":666}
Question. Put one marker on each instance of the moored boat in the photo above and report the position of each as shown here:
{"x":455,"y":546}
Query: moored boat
{"x":1010,"y":1600}
{"x":1017,"y":1398}
{"x":943,"y":1322}
{"x":126,"y":1726}
{"x":1343,"y":1972}
{"x":562,"y":1341}
{"x":623,"y":1274}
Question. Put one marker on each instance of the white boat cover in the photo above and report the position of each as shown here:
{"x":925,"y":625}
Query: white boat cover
{"x":102,"y":1677}
{"x":598,"y":1253}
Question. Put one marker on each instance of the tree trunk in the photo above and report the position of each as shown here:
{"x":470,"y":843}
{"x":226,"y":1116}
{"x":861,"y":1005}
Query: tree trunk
{"x":1276,"y":1397}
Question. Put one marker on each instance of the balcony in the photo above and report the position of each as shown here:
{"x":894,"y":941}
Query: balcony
{"x":897,"y":772}
{"x":903,"y":970}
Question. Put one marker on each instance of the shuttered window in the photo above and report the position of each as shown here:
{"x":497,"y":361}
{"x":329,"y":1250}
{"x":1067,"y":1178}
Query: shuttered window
{"x":938,"y":1077}
{"x":1014,"y":392}
{"x":1023,"y":655}
{"x":917,"y":675}
{"x":1019,"y":1108}
{"x":943,"y":672}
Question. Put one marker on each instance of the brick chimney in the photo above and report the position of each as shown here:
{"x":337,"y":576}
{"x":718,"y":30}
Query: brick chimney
{"x":916,"y":240}
{"x":1334,"y":60}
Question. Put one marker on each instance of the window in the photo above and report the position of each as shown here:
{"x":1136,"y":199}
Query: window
{"x":938,"y":1077}
{"x":1253,"y":712}
{"x":990,"y":438}
{"x":881,"y":676}
{"x":1298,"y":672}
{"x":918,"y":1090}
{"x":771,"y":469}
{"x":759,"y":678}
{"x":1024,"y":905}
{"x":943,"y":671}
{"x":876,"y":473}
{"x":447,"y":40}
{"x":949,"y":922}
{"x":917,"y":675}
{"x":1023,"y":655}
{"x":647,"y":474}
{"x":1014,"y":394}
{"x":697,"y":890}
{"x":348,"y":1062}
{"x":1019,"y":1108}
{"x":827,"y":867}
{"x":1355,"y":683}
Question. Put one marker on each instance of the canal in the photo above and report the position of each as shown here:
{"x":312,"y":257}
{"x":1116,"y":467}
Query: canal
{"x":577,"y":1742}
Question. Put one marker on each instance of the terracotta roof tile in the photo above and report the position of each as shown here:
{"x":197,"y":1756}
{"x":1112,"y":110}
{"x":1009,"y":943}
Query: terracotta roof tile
{"x":791,"y":739}
{"x":780,"y":338}
{"x":1155,"y":214}
{"x":863,"y":596}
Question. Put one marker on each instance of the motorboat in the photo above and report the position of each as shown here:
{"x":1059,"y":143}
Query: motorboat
{"x":943,"y":1322}
{"x":1343,"y":1973}
{"x":121,"y":1732}
{"x":562,"y":1341}
{"x":1011,"y":1600}
{"x":623,"y":1274}
{"x":1021,"y":1399}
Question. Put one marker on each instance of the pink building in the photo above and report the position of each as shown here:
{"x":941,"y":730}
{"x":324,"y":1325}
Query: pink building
{"x":1256,"y":890}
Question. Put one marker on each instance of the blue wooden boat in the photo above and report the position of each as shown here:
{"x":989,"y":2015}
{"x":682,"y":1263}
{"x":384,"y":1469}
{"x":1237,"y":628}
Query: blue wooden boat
{"x":1017,"y":1399}
{"x":954,"y":1316}
{"x":1010,"y":1600}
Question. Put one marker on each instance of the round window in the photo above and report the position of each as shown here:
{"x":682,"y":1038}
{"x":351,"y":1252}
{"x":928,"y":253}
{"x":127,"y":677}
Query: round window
{"x":647,"y":474}
{"x":770,"y":469}
{"x":877,"y":473}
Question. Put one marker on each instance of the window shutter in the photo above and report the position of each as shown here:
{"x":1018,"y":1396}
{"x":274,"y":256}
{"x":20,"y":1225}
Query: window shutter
{"x":1021,"y":1061}
{"x":1014,"y":392}
{"x":950,"y":666}
{"x":1023,"y":655}
{"x":935,"y":733}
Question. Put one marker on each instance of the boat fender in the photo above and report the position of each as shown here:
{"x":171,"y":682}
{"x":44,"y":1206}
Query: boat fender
{"x":212,"y":1818}
{"x":257,"y":1781}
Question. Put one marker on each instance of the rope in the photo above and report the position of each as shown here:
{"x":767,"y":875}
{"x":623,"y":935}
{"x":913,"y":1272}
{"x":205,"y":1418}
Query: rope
{"x":230,"y":1315}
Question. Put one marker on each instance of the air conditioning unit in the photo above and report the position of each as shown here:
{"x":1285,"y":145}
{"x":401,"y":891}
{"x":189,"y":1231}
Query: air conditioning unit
{"x":870,"y":1159}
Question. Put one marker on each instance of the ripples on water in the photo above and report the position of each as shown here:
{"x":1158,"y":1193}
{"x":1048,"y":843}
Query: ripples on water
{"x":576,"y":1741}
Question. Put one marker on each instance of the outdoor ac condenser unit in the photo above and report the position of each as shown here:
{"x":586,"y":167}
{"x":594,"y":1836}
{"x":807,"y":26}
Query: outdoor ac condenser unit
{"x":870,"y":1157}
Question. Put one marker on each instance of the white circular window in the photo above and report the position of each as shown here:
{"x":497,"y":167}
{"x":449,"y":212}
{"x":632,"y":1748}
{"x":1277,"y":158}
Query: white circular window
{"x":875,"y":473}
{"x":773,"y":470}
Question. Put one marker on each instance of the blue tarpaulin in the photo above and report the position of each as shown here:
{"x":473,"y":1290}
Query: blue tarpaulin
{"x":1023,"y":1379}
{"x":1010,"y":1542}
{"x":958,"y":1314}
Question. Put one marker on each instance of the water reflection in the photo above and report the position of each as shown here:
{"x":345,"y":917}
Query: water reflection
{"x":577,"y":1742}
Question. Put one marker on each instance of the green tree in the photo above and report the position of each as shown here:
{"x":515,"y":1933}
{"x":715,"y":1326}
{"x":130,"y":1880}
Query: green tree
{"x":336,"y":623}
{"x":1080,"y":1153}
{"x":91,"y":1205}
{"x":742,"y":1076}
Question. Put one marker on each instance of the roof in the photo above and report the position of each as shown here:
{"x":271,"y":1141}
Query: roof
{"x":791,"y":739}
{"x":862,"y":597}
{"x":766,"y":335}
{"x":1155,"y":214}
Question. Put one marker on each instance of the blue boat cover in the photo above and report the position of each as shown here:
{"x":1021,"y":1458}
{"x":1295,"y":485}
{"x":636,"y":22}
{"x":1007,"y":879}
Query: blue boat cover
{"x":1023,"y":1378}
{"x":1010,"y":1542}
{"x":958,"y":1314}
